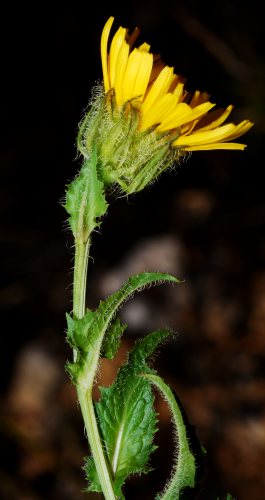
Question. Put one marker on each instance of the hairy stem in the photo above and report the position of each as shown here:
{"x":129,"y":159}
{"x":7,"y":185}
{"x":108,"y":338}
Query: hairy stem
{"x":87,"y":408}
{"x":85,"y":394}
{"x":80,"y":274}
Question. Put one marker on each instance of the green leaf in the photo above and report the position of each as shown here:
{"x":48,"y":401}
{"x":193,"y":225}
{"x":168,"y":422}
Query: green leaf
{"x":184,"y":469}
{"x":108,"y":307}
{"x":126,"y":416}
{"x":92,"y":476}
{"x":145,"y":347}
{"x":87,"y":334}
{"x":77,"y":330}
{"x":82,"y":338}
{"x":85,"y":199}
{"x":112,"y":339}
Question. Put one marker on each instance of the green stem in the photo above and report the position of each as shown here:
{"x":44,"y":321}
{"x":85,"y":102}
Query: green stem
{"x":85,"y":393}
{"x":80,"y":275}
{"x":87,"y":408}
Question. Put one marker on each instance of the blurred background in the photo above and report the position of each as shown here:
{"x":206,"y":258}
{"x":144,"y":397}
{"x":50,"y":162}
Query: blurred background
{"x":203,"y":221}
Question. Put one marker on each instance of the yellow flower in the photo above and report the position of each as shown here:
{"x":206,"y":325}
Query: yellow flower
{"x":144,"y":121}
{"x":137,"y":76}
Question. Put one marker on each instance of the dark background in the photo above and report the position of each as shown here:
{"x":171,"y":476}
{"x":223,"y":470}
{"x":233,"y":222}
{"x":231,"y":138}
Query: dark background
{"x":204,"y":222}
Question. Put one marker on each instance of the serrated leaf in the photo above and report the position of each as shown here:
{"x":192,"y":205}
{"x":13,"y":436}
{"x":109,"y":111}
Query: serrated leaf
{"x":85,"y":200}
{"x":184,"y":469}
{"x":126,"y":416}
{"x":88,"y":333}
{"x":108,"y":307}
{"x":146,"y":346}
{"x":112,"y":339}
{"x":128,"y":423}
{"x":92,"y":476}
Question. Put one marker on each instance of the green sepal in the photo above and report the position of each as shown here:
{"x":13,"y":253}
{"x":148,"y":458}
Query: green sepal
{"x":126,"y":416}
{"x":184,"y":468}
{"x":85,"y":199}
{"x":112,"y":339}
{"x":150,"y":171}
{"x":91,"y":123}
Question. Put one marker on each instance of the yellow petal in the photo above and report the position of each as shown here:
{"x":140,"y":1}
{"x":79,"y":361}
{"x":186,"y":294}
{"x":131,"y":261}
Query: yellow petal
{"x":145,"y":47}
{"x":180,"y":112}
{"x":198,"y":98}
{"x":216,"y":145}
{"x":178,"y":92}
{"x":137,"y":74}
{"x":183,"y":114}
{"x":158,"y":65}
{"x":215,"y":123}
{"x":143,"y":75}
{"x":115,"y":47}
{"x":133,"y":66}
{"x":174,"y":83}
{"x":104,"y":52}
{"x":119,"y":73}
{"x":158,"y":88}
{"x":241,"y":129}
{"x":198,"y":138}
{"x":159,"y":110}
{"x":188,"y":128}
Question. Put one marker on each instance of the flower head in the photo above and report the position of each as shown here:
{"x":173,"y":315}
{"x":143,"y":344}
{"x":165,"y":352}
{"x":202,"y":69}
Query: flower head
{"x":158,"y":94}
{"x":143,"y":120}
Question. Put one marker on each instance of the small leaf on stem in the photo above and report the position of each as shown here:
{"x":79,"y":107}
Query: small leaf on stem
{"x":85,"y":200}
